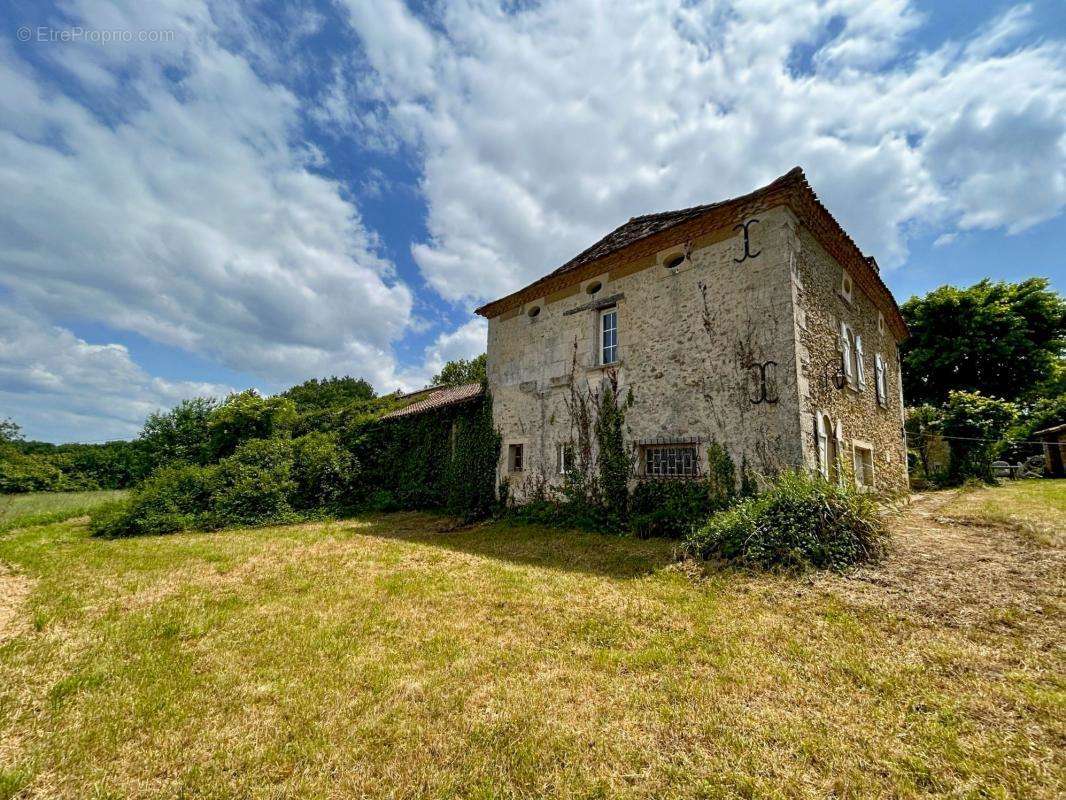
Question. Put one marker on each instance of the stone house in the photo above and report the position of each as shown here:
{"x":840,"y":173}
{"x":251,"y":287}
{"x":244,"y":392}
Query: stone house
{"x":754,"y":322}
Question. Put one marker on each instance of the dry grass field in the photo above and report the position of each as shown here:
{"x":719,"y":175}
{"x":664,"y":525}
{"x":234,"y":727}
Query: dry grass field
{"x":397,"y":657}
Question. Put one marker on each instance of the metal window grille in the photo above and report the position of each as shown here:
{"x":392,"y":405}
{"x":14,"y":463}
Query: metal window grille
{"x":671,"y":461}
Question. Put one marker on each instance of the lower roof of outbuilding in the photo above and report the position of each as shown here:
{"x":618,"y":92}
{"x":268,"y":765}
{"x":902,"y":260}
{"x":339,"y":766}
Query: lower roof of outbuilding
{"x":435,"y":398}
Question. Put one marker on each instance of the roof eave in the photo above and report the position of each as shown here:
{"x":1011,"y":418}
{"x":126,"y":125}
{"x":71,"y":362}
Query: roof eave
{"x":796,"y":193}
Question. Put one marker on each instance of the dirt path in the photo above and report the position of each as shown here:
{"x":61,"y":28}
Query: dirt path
{"x":959,"y":574}
{"x":14,"y":589}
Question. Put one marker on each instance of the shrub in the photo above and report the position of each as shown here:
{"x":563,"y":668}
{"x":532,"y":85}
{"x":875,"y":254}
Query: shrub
{"x":471,"y":475}
{"x":110,"y":519}
{"x":672,"y":509}
{"x":245,"y":416}
{"x":974,"y":423}
{"x":172,"y":499}
{"x":382,"y":501}
{"x":321,"y":471}
{"x":22,"y":473}
{"x":799,"y":521}
{"x":254,"y":485}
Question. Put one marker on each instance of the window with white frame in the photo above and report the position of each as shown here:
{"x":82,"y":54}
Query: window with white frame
{"x":609,"y":335}
{"x":564,"y":458}
{"x":670,"y":460}
{"x":881,"y":380}
{"x":852,"y":357}
{"x":515,"y":457}
{"x":864,"y":465}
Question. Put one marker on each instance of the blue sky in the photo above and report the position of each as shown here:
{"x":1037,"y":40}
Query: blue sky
{"x":202,"y":195}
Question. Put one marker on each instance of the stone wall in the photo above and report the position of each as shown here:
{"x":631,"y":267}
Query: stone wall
{"x":688,"y":337}
{"x":820,"y":308}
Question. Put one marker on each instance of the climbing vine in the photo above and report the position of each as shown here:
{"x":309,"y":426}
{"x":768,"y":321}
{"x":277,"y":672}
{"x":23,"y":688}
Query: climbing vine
{"x":442,"y":460}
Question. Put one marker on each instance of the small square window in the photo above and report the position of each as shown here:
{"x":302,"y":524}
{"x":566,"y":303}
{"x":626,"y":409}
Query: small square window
{"x":864,"y":466}
{"x":515,"y":457}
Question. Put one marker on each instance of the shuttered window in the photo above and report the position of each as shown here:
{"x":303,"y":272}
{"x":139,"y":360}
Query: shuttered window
{"x":860,"y":367}
{"x":880,"y":380}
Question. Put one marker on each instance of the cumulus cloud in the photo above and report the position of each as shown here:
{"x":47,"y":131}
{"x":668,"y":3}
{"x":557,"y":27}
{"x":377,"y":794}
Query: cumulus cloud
{"x":467,"y":341}
{"x":542,"y":127}
{"x":172,"y":194}
{"x":59,"y":387}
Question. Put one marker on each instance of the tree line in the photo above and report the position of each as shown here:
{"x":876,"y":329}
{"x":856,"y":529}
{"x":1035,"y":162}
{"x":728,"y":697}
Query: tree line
{"x":984,"y":367}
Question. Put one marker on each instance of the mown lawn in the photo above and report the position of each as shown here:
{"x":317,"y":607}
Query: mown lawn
{"x":1037,"y":507}
{"x":393,"y":657}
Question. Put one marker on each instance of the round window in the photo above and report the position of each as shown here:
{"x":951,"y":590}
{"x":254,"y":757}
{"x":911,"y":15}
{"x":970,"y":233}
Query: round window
{"x":675,"y":261}
{"x":594,"y":287}
{"x":533,"y":312}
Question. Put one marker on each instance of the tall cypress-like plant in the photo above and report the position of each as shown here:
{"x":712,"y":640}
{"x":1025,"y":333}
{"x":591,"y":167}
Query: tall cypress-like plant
{"x":613,"y":459}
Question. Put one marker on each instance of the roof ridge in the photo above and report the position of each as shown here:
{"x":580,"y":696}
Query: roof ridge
{"x":793,"y":174}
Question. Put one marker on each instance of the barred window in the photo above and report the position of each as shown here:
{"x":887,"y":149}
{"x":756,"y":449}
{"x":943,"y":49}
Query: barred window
{"x":671,"y":461}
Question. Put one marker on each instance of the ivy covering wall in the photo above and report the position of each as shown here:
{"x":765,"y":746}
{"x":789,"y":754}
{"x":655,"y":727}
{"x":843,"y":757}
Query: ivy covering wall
{"x":442,"y":459}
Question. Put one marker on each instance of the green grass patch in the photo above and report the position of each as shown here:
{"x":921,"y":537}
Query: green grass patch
{"x":1036,"y":507}
{"x":42,"y":508}
{"x":394,"y":656}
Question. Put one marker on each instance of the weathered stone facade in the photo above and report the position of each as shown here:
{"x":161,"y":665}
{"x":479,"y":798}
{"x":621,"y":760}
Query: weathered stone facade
{"x":731,"y":345}
{"x":857,"y":417}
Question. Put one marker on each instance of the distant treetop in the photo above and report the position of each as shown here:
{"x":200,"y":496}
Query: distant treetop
{"x":332,"y":392}
{"x":1001,"y":339}
{"x":460,"y":371}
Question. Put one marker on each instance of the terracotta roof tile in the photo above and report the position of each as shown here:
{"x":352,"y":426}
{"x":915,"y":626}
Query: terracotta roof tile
{"x":791,"y":188}
{"x":643,"y":226}
{"x":436,"y":397}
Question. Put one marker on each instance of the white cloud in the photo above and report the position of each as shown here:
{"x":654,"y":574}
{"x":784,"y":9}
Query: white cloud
{"x":467,"y":341}
{"x":543,"y":128}
{"x":59,"y":387}
{"x":179,"y":201}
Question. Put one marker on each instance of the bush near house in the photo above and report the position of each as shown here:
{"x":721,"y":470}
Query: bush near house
{"x":800,"y":521}
{"x":360,"y":462}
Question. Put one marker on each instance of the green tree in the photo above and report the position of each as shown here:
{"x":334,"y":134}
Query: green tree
{"x":1001,"y":339}
{"x":181,"y":435}
{"x":922,"y":424}
{"x":612,"y":456}
{"x":460,"y":371}
{"x":9,"y":432}
{"x":328,"y":393}
{"x":248,"y":415}
{"x":973,"y":425}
